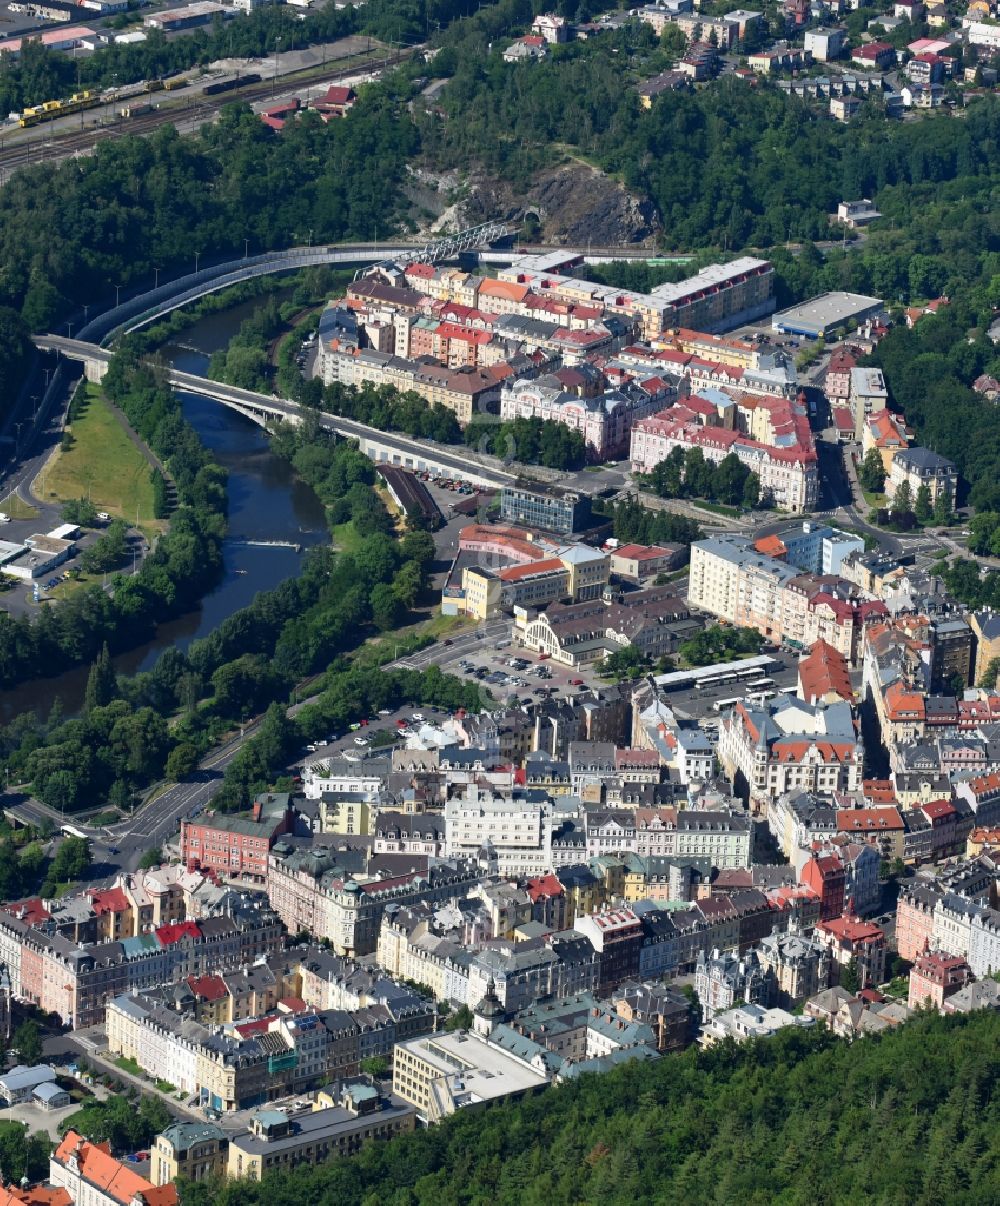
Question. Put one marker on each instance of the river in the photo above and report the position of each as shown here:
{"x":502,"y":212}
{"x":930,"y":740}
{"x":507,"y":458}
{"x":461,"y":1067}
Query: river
{"x":267,"y":501}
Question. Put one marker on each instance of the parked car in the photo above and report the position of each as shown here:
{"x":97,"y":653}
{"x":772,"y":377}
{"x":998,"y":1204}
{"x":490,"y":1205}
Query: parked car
{"x":418,"y":716}
{"x":361,"y":741}
{"x":576,"y":682}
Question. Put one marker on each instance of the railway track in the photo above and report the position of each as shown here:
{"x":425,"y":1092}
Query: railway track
{"x":53,"y":146}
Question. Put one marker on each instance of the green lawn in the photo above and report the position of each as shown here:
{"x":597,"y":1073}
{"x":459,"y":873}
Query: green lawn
{"x":102,"y":464}
{"x":345,"y":537}
{"x":716,"y":508}
{"x":17,"y":508}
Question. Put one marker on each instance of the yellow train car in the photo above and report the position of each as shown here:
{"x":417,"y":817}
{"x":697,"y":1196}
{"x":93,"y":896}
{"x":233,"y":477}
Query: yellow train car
{"x":50,"y":110}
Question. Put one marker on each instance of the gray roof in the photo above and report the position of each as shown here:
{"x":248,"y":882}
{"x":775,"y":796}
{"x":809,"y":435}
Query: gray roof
{"x":923,"y":458}
{"x":50,"y":1091}
{"x":23,"y":1077}
{"x":184,"y":1135}
{"x":306,"y":1128}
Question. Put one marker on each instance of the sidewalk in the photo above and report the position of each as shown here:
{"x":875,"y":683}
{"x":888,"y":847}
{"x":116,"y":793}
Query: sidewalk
{"x":105,"y":1063}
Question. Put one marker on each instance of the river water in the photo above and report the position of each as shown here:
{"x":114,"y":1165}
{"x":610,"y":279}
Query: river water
{"x":267,"y":501}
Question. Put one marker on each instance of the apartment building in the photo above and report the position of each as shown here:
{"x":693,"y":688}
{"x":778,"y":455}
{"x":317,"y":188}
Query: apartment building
{"x":278,"y":1140}
{"x":517,"y":834}
{"x":920,"y":467}
{"x":197,"y":1151}
{"x":786,"y":469}
{"x":731,"y":579}
{"x":236,"y":847}
{"x":76,"y":979}
{"x":888,"y":433}
{"x":869,"y":395}
{"x":348,"y":913}
{"x":605,"y":421}
{"x":442,"y":1073}
{"x":786,"y":745}
{"x":466,"y":391}
{"x":718,"y":298}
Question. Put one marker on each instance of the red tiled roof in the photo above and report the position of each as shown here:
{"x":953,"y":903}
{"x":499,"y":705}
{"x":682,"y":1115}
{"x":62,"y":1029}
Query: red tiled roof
{"x":869,"y":820}
{"x":514,"y":573}
{"x":542,"y":886}
{"x":824,"y":671}
{"x":209,"y":988}
{"x":110,"y":900}
{"x":641,"y":552}
{"x":842,"y":418}
{"x":338,"y":95}
{"x":169,"y":934}
{"x":31,"y":911}
{"x":114,"y":1179}
{"x":852,"y":929}
{"x":34,"y":1195}
{"x":292,"y":1005}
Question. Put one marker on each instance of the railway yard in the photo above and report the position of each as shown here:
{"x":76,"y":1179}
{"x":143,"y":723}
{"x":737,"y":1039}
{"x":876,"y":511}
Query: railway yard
{"x":73,"y":126}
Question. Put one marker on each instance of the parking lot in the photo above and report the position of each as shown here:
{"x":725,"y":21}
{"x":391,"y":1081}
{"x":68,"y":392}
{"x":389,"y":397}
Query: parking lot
{"x":61,"y":579}
{"x":371,"y":736}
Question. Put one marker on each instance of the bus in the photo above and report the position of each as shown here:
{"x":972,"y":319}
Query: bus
{"x":71,"y":831}
{"x":760,"y":697}
{"x":761,"y":682}
{"x":723,"y":705}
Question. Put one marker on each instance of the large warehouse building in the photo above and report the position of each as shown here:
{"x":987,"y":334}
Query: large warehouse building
{"x":822,"y":316}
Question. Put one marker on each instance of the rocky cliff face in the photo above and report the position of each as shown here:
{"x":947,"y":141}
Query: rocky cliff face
{"x":573,"y":204}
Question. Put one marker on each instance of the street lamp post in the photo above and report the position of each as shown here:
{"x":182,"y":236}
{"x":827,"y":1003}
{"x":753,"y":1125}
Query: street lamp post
{"x":197,"y":257}
{"x":156,"y":278}
{"x":118,"y":290}
{"x":277,"y":55}
{"x":246,"y":249}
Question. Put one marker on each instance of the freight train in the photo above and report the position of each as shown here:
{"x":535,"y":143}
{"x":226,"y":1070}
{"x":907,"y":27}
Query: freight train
{"x":88,"y":99}
{"x":241,"y":81}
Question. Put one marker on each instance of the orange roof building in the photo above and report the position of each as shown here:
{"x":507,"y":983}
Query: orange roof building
{"x":89,"y":1173}
{"x":824,"y":676}
{"x":883,"y":827}
{"x":771,"y":546}
{"x":34,"y":1195}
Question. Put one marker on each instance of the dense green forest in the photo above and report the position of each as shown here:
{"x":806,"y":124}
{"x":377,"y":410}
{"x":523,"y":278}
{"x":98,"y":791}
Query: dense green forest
{"x":909,"y":1119}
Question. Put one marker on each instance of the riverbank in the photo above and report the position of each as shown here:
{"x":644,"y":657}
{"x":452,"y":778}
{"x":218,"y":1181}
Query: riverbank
{"x":102,"y":460}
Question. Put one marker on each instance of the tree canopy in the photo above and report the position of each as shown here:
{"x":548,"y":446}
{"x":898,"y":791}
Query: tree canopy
{"x":799,"y":1118}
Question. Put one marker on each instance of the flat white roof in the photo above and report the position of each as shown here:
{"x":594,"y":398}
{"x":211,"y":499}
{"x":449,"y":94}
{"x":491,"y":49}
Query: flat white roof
{"x":486,"y":1072}
{"x":677,"y":678}
{"x":827,"y":310}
